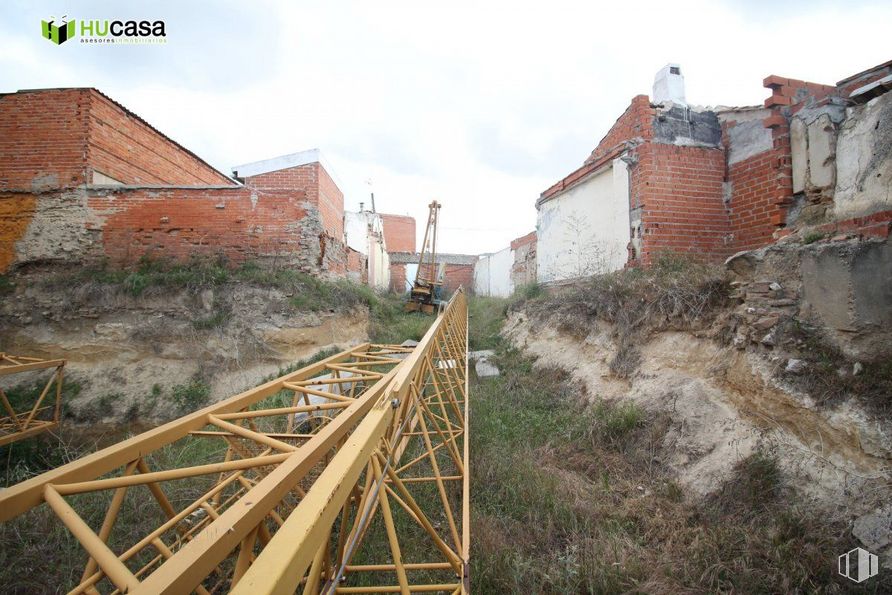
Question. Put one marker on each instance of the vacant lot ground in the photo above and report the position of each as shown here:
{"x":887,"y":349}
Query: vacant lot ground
{"x":572,"y":497}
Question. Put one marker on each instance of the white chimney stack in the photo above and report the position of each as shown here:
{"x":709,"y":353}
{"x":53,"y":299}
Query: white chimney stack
{"x":669,"y":85}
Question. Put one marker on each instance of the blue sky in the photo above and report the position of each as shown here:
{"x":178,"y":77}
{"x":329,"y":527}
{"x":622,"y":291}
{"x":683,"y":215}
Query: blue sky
{"x":479,"y":105}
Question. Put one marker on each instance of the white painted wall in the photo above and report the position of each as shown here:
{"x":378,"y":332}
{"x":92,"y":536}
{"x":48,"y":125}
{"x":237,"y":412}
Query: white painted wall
{"x":585,"y":230}
{"x":492,"y":274}
{"x":364,"y":233}
{"x":356,"y":230}
{"x":411,"y":273}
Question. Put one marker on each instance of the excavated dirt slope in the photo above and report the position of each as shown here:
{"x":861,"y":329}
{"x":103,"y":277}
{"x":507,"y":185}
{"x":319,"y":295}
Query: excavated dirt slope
{"x":130,"y":354}
{"x":724,"y":405}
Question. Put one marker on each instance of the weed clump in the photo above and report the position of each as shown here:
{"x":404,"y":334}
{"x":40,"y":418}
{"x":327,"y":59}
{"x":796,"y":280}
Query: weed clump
{"x":674,"y":292}
{"x":191,"y":396}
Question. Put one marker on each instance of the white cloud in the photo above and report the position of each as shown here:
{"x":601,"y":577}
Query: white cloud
{"x":479,"y":105}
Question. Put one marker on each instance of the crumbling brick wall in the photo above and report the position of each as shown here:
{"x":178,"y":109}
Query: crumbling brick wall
{"x":321,"y":191}
{"x":357,"y":266}
{"x":523,"y":272}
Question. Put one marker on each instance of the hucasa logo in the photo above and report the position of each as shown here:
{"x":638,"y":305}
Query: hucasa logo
{"x":59,"y":32}
{"x":105,"y":31}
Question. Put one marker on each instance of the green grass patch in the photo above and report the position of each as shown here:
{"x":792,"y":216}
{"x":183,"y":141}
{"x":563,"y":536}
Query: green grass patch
{"x":191,"y":396}
{"x":812,"y":237}
{"x":485,"y":318}
{"x":390,"y":324}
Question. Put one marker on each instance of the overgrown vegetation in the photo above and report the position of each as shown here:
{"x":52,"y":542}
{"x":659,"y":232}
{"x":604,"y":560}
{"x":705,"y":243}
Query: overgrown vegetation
{"x":390,"y":324}
{"x":485,"y":318}
{"x":573,"y":497}
{"x":191,"y":396}
{"x":675,"y":291}
{"x":154,"y":276}
{"x":830,"y":376}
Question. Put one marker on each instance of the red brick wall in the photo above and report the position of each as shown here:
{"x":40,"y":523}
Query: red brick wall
{"x":43,"y":137}
{"x":330,"y":203}
{"x":760,"y":190}
{"x":636,"y":122}
{"x":181,"y":223}
{"x":752,"y":205}
{"x":398,"y":277}
{"x":316,"y":183}
{"x":458,"y":275}
{"x":357,"y":266}
{"x":124,"y":147}
{"x":399,"y":232}
{"x":680,"y":192}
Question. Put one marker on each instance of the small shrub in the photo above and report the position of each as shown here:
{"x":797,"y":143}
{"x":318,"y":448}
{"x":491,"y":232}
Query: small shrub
{"x":675,"y":291}
{"x":189,"y":397}
{"x":215,"y":320}
{"x":526,"y":293}
{"x":626,"y":359}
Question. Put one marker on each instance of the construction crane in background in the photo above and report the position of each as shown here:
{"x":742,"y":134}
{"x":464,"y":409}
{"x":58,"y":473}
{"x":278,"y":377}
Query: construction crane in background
{"x":425,"y":293}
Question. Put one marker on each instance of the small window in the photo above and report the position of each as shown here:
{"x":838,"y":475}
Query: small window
{"x":674,"y":70}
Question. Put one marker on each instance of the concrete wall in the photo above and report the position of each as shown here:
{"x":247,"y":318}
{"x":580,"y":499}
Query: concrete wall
{"x":585,"y":229}
{"x":492,"y":274}
{"x":864,"y":160}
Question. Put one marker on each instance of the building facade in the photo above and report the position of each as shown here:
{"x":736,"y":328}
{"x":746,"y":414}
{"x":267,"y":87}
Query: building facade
{"x":670,"y":177}
{"x":83,"y":179}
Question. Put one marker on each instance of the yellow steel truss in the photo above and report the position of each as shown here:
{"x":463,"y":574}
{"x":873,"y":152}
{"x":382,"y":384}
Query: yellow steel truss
{"x":326,"y":474}
{"x":22,"y":420}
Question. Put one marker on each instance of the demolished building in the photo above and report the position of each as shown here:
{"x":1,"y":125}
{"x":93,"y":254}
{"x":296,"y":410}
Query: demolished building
{"x":709,"y":182}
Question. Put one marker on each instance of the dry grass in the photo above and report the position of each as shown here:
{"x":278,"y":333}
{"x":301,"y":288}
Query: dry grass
{"x":574,"y":498}
{"x":830,"y":375}
{"x":673,"y":293}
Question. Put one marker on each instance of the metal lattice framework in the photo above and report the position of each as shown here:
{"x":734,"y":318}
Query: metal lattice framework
{"x":315,"y":480}
{"x":22,"y":420}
